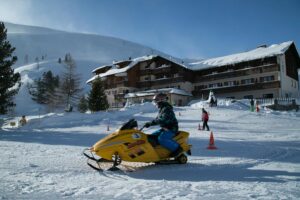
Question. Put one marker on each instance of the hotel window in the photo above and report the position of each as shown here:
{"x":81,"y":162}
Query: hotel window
{"x":248,"y":97}
{"x":247,"y":81}
{"x":214,"y":85}
{"x":267,"y":78}
{"x":230,"y":83}
{"x":268,"y":95}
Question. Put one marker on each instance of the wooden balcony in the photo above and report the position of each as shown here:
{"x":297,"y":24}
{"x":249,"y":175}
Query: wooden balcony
{"x":161,"y":70}
{"x":122,"y":84}
{"x":145,"y":72}
{"x":168,"y":80}
{"x":238,"y":73}
{"x":143,"y":84}
{"x":116,"y":84}
{"x":238,"y":88}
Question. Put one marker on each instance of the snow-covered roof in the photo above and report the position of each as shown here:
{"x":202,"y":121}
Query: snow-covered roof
{"x":101,"y":67}
{"x":154,"y":91}
{"x":115,"y":70}
{"x":258,"y":53}
{"x":120,"y":62}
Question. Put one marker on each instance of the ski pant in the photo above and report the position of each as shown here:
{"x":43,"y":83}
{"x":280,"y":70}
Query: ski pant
{"x":165,"y":139}
{"x":205,"y":125}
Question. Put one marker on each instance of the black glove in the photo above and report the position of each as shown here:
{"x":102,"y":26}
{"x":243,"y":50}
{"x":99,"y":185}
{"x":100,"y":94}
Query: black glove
{"x":147,"y":125}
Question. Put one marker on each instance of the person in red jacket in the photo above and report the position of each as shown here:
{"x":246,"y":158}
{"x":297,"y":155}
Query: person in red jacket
{"x":205,"y":119}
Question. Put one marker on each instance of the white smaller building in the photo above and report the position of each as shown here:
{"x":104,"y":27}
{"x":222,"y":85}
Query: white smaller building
{"x":176,"y":97}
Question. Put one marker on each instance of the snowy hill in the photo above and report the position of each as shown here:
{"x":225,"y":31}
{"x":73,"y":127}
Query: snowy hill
{"x":258,"y":157}
{"x":47,"y":45}
{"x":52,"y":44}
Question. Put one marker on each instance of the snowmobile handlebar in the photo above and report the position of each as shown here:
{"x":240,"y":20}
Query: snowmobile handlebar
{"x":142,"y":127}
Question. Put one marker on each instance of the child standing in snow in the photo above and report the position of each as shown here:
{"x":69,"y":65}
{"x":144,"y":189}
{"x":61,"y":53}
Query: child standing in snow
{"x":257,"y":106}
{"x":205,"y":119}
{"x":23,"y":120}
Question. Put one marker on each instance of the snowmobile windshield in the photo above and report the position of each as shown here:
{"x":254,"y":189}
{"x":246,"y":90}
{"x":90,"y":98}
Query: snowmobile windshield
{"x":131,"y":124}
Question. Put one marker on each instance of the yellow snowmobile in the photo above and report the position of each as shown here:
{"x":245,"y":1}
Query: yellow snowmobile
{"x":132,"y":145}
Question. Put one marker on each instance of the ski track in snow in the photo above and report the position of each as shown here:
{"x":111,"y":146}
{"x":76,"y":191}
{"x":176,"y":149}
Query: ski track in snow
{"x":258,"y":157}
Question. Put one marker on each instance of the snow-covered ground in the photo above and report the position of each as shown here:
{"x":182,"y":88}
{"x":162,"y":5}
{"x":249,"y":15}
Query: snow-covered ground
{"x":258,"y":157}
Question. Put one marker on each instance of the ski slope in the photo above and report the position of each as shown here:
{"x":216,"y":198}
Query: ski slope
{"x":258,"y":157}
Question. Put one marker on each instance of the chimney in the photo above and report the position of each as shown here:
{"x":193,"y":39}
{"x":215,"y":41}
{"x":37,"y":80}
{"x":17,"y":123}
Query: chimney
{"x":262,"y":46}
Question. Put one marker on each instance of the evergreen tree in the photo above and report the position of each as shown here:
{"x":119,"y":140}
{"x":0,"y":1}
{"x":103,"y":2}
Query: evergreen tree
{"x":52,"y":83}
{"x":43,"y":89}
{"x":82,"y":105}
{"x":37,"y":91}
{"x":8,"y":78}
{"x":97,"y":99}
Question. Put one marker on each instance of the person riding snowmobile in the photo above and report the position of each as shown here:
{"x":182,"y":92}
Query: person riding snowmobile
{"x":169,"y":125}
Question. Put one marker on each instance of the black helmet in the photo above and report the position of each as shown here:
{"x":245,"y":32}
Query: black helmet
{"x":160,"y":97}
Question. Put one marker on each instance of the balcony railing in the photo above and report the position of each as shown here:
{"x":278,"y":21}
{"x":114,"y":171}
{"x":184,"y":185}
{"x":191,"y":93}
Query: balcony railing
{"x":159,"y":70}
{"x":116,"y":84}
{"x":168,"y":80}
{"x":161,"y":81}
{"x":238,"y":88}
{"x":144,"y":84}
{"x":237,"y":73}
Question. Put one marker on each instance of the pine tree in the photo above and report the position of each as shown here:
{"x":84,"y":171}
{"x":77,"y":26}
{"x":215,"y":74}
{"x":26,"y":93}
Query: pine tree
{"x":97,"y":99}
{"x":43,"y":89}
{"x":38,"y":90}
{"x":8,"y":78}
{"x":82,"y":105}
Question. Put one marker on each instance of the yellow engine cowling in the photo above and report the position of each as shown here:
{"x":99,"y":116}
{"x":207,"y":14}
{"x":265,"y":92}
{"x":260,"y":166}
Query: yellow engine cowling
{"x":133,"y":146}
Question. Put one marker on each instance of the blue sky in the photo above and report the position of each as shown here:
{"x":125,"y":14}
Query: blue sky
{"x":182,"y":28}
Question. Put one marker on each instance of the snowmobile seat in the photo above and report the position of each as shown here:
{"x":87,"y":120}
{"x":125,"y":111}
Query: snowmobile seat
{"x":153,"y":139}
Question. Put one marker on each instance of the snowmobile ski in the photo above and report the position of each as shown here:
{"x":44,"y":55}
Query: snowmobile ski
{"x":91,"y":158}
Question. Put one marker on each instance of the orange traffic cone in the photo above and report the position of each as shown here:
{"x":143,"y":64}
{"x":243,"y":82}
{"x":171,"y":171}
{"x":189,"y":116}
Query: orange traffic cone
{"x":211,"y":145}
{"x":107,"y":128}
{"x":199,"y":127}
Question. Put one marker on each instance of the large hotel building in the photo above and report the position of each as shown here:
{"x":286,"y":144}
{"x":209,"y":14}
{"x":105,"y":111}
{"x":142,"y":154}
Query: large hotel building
{"x":264,"y":72}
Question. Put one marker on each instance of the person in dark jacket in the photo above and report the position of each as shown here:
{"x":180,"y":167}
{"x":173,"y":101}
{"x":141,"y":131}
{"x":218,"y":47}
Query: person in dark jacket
{"x":251,"y":105}
{"x":205,"y":119}
{"x":169,"y":125}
